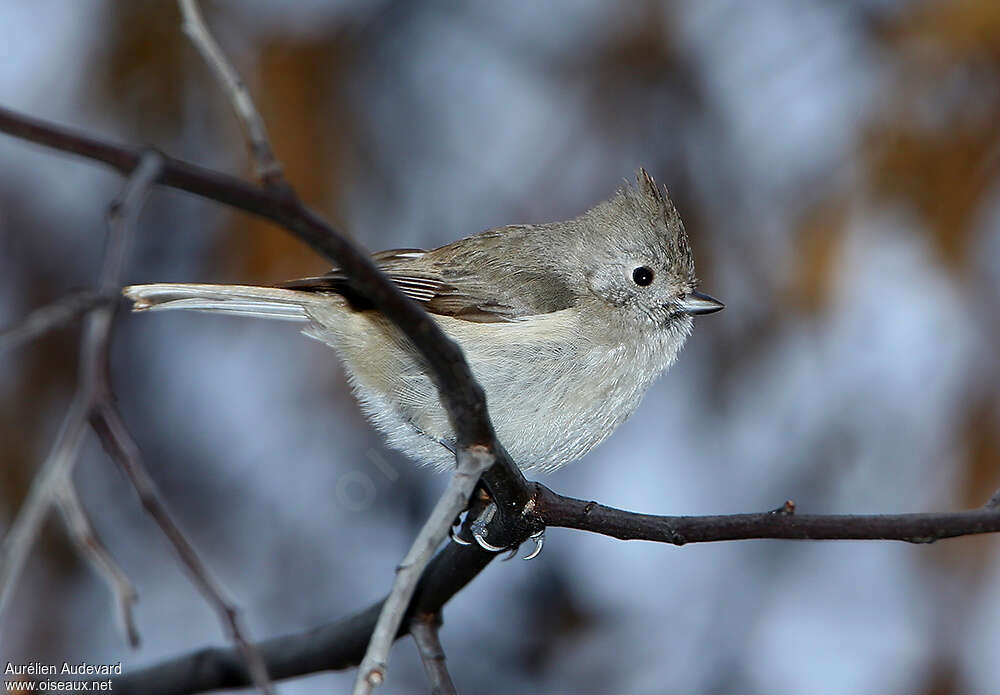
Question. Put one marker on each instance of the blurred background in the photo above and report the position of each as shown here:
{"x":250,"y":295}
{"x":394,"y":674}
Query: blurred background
{"x":836,"y":164}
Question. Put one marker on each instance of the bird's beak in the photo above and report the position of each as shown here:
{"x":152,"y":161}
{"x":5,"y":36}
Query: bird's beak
{"x":697,"y":303}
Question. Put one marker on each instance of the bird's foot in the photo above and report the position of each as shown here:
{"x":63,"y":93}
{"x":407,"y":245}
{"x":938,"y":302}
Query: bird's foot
{"x":479,"y":532}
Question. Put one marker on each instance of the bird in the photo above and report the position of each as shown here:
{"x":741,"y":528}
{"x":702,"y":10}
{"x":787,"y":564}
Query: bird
{"x":565,"y":325}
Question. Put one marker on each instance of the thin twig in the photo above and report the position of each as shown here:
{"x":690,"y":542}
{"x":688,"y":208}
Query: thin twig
{"x":50,"y":317}
{"x":89,"y":545}
{"x":27,"y":525}
{"x":268,"y":168}
{"x":472,"y":463}
{"x":424,"y":629}
{"x":120,"y":445}
{"x":93,"y":357}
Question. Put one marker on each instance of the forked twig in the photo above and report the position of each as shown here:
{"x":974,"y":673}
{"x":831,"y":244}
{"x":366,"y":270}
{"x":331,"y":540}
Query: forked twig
{"x":23,"y":533}
{"x":268,"y":168}
{"x":472,"y":463}
{"x":90,"y":546}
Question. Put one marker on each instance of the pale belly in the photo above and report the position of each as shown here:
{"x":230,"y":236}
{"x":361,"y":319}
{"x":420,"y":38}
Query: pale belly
{"x":552,"y":395}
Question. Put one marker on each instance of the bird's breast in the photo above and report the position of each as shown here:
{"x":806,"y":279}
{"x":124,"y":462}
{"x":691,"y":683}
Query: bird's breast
{"x":555,"y":390}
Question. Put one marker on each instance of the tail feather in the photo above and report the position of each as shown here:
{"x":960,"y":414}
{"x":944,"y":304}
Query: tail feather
{"x":239,"y":300}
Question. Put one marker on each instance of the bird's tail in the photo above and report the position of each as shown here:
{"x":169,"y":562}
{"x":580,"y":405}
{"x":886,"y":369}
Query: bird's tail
{"x":240,"y":300}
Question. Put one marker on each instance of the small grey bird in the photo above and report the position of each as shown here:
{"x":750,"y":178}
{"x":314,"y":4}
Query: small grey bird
{"x":565,"y":325}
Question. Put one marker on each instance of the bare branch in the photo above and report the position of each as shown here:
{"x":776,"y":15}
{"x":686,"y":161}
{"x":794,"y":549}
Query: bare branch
{"x":335,"y":646}
{"x":339,"y":645}
{"x":268,"y":168}
{"x":57,"y":468}
{"x":120,"y":445}
{"x":471,"y":465}
{"x":94,"y":551}
{"x":556,"y":510}
{"x":424,"y":629}
{"x":49,"y":317}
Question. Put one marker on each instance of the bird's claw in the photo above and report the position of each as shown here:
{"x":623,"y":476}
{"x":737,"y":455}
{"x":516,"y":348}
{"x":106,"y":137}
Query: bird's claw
{"x":457,"y":538}
{"x":539,"y":539}
{"x":484,"y":544}
{"x":478,"y":528}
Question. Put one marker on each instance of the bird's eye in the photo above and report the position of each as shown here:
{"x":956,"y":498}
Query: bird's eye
{"x":642,"y":276}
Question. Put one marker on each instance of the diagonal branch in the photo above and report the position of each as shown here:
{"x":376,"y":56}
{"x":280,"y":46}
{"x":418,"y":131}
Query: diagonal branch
{"x":118,"y":442}
{"x":461,"y":396}
{"x":473,"y":459}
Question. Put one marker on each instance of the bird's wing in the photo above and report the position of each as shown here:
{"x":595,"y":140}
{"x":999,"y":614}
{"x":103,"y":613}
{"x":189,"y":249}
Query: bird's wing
{"x":463,"y":280}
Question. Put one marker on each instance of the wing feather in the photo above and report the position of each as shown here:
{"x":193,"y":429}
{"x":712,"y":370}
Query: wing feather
{"x":494,"y":293}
